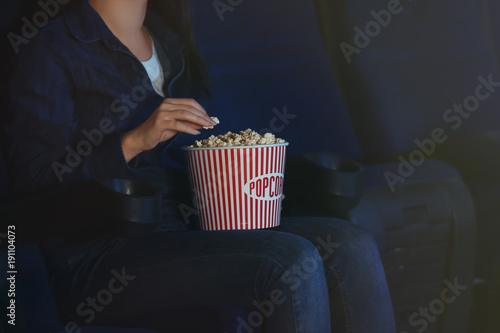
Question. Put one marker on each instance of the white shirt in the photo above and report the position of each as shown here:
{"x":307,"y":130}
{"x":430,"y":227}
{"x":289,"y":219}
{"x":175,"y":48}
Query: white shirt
{"x":155,"y":72}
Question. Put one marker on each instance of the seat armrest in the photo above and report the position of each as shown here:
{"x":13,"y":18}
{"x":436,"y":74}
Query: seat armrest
{"x":118,"y":205}
{"x":322,"y":183}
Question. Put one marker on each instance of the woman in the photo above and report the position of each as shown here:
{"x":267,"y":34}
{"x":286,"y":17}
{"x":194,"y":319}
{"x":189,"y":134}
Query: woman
{"x":103,"y":92}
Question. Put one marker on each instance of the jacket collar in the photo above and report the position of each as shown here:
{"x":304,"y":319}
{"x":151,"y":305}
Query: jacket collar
{"x":87,"y":26}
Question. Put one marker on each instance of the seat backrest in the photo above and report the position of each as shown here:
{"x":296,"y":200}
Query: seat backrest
{"x":402,"y":65}
{"x":269,"y":72}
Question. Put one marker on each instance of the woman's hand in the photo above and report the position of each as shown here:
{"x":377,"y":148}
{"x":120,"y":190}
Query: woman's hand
{"x":171,"y":117}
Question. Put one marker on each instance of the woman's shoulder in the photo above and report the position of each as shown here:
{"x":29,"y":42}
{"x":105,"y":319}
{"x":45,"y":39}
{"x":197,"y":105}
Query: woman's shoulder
{"x":53,"y":40}
{"x":62,"y":35}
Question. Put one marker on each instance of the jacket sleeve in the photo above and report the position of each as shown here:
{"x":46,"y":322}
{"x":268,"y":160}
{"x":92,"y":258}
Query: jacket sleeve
{"x":45,"y":151}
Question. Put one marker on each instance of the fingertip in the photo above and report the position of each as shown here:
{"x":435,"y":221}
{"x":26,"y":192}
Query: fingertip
{"x":196,"y":132}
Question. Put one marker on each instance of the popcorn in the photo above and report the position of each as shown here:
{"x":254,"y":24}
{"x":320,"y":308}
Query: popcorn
{"x":247,"y":137}
{"x":211,"y":127}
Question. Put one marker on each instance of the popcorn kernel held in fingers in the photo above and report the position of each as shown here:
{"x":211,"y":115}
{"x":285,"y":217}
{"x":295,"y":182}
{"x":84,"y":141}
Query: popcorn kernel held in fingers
{"x":214,"y":119}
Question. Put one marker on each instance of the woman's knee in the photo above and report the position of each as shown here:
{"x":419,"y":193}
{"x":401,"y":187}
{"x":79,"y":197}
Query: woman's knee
{"x":288,"y":251}
{"x":298,"y":262}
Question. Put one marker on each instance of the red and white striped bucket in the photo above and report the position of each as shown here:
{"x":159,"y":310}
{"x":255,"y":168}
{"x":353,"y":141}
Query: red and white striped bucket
{"x":238,"y":188}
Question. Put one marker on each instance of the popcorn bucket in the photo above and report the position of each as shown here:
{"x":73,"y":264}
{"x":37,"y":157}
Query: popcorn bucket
{"x":237,"y":188}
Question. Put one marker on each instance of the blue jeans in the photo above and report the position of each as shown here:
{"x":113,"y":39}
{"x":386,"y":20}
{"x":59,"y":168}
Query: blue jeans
{"x":314,"y":275}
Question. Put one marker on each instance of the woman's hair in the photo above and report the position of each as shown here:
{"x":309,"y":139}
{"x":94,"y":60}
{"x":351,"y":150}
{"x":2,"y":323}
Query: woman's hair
{"x":178,"y":15}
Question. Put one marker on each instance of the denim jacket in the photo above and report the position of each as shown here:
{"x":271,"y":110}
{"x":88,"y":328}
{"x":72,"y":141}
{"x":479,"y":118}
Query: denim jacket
{"x":75,"y":90}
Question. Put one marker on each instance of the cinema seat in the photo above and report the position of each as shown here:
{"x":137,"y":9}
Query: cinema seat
{"x":419,"y":65}
{"x":263,"y":57}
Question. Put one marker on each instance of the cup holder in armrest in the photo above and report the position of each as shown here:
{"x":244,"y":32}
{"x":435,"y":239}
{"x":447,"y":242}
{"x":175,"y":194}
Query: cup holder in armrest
{"x":325,"y":182}
{"x":130,"y":201}
{"x":130,"y":187}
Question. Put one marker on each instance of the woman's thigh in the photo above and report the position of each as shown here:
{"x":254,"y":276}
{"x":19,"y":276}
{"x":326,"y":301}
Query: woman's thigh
{"x":129,"y":281}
